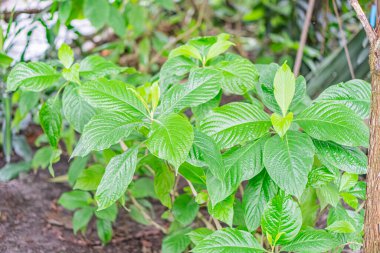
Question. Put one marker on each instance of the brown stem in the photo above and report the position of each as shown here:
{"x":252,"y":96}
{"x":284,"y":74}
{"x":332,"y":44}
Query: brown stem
{"x":363,"y":19}
{"x":344,"y":41}
{"x":309,"y":13}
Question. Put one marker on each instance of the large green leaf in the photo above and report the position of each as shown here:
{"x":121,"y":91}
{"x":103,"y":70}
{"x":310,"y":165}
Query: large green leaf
{"x":229,"y":240}
{"x":202,"y":86}
{"x":328,"y":121}
{"x":282,"y":219}
{"x":336,"y":157}
{"x":115,"y":181}
{"x":33,"y":76}
{"x":219,"y":190}
{"x":76,"y":110}
{"x":51,"y":121}
{"x":205,"y":151}
{"x":311,"y":240}
{"x":289,"y":161}
{"x":164,"y":181}
{"x":112,"y":96}
{"x":258,"y":192}
{"x":90,"y":178}
{"x":104,"y":130}
{"x":238,"y":75}
{"x":328,"y":195}
{"x":94,"y":66}
{"x":247,"y":159}
{"x":355,"y":94}
{"x":171,"y":139}
{"x":223,"y":211}
{"x":284,"y":85}
{"x":185,"y":209}
{"x":174,"y":70}
{"x":235,"y":123}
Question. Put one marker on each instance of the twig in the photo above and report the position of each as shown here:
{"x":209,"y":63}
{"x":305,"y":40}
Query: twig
{"x":363,"y":19}
{"x":305,"y":28}
{"x":343,"y":38}
{"x":147,"y":216}
{"x":183,"y":35}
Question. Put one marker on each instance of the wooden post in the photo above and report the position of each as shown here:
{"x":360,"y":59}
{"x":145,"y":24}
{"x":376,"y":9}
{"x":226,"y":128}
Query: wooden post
{"x":372,"y":207}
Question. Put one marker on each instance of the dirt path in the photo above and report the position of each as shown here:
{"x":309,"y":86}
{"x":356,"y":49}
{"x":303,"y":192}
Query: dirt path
{"x":31,"y":221}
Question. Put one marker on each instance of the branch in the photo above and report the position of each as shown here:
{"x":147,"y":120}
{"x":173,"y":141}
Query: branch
{"x":305,"y":29}
{"x":344,"y":41}
{"x":363,"y":19}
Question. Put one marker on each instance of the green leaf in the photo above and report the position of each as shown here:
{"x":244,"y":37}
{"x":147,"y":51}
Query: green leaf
{"x":220,"y":46}
{"x":186,"y":50}
{"x":164,"y":181}
{"x":284,"y":87}
{"x":97,"y":12}
{"x":336,"y":157}
{"x":5,"y":60}
{"x":11,"y":170}
{"x":51,"y":121}
{"x":341,"y":226}
{"x":320,"y":176}
{"x":118,"y":175}
{"x":90,"y":178}
{"x":282,"y":219}
{"x":238,"y":75}
{"x":74,"y":199}
{"x":258,"y":192}
{"x":116,"y":21}
{"x":94,"y":66}
{"x":348,"y":181}
{"x":281,"y":124}
{"x":104,"y":229}
{"x":76,"y":168}
{"x":171,"y":139}
{"x":81,"y":218}
{"x":104,"y":130}
{"x":64,"y":11}
{"x":219,"y":190}
{"x":143,"y":188}
{"x":185,"y":209}
{"x":174,"y":70}
{"x":194,"y":174}
{"x":355,"y":94}
{"x":235,"y":123}
{"x":334,"y":122}
{"x":247,"y":160}
{"x":66,"y":55}
{"x":109,"y":213}
{"x":72,"y":74}
{"x":266,"y":89}
{"x":113,"y":96}
{"x":28,"y":100}
{"x":205,"y":150}
{"x":76,"y":110}
{"x":224,"y":210}
{"x":328,"y":195}
{"x":33,"y":76}
{"x":198,"y":234}
{"x":229,"y":240}
{"x":202,"y":86}
{"x":289,"y":161}
{"x":311,"y":240}
{"x":176,"y":242}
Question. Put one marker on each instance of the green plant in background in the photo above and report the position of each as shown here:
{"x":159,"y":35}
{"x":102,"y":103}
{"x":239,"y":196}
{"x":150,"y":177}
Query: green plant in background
{"x":267,"y":166}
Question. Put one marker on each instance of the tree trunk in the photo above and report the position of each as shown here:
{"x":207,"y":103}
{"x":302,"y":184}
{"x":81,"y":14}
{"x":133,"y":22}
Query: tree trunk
{"x":372,"y":211}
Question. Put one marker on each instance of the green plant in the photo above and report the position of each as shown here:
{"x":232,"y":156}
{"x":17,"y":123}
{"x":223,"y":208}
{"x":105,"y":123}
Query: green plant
{"x":267,"y":166}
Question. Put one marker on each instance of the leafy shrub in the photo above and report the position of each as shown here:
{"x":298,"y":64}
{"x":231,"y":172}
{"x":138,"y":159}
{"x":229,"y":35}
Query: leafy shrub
{"x":290,"y":159}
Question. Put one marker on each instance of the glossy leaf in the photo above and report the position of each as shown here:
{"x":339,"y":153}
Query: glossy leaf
{"x":236,"y":123}
{"x":174,"y":70}
{"x":281,"y":124}
{"x":104,"y":130}
{"x":224,"y":210}
{"x":282,"y":219}
{"x":115,"y":181}
{"x":33,"y":76}
{"x":94,"y":66}
{"x":284,"y":87}
{"x":289,"y":161}
{"x":171,"y":138}
{"x":355,"y":94}
{"x":258,"y":192}
{"x":51,"y":121}
{"x":334,"y":122}
{"x":66,"y":55}
{"x":229,"y":240}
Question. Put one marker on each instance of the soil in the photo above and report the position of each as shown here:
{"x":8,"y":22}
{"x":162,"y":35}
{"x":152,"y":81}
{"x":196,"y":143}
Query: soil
{"x":31,"y":221}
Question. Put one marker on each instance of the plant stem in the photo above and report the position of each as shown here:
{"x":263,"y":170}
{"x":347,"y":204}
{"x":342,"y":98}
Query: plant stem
{"x":7,"y":128}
